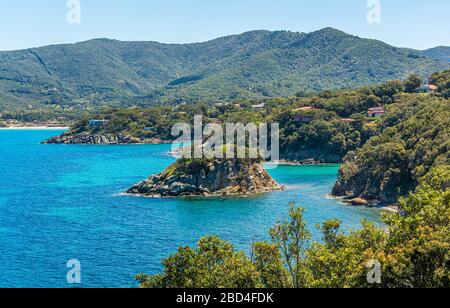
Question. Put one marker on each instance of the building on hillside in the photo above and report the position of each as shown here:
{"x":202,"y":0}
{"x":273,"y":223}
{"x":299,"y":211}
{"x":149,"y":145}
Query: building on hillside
{"x":426,"y":88}
{"x":259,"y":107}
{"x":97,"y":123}
{"x":348,"y":120}
{"x":307,"y":108}
{"x":376,"y":112}
{"x":303,"y":114}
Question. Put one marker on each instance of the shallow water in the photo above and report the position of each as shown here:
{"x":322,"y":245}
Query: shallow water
{"x":62,"y":202}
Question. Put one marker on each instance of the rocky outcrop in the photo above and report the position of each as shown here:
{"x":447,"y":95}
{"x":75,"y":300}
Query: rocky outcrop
{"x":89,"y":138}
{"x":360,"y":187}
{"x":218,"y":177}
{"x":305,"y":162}
{"x":357,"y":202}
{"x":309,"y":156}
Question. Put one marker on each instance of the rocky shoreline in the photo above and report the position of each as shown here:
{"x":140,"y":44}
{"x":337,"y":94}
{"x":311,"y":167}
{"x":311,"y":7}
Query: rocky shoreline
{"x":305,"y":162}
{"x":218,"y":178}
{"x":100,"y":139}
{"x":361,"y":202}
{"x":208,"y":178}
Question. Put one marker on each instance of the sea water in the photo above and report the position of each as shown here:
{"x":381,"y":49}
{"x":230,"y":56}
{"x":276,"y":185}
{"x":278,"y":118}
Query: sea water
{"x":63,"y":202}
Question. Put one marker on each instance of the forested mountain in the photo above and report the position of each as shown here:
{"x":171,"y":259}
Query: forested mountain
{"x":253,"y":64}
{"x":439,"y":53}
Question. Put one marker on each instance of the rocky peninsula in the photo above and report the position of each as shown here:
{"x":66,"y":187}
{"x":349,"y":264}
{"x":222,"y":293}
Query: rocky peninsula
{"x":203,"y":177}
{"x":100,"y":138}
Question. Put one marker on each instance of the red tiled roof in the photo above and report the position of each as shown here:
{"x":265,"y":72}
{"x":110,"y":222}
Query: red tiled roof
{"x":377,"y":110}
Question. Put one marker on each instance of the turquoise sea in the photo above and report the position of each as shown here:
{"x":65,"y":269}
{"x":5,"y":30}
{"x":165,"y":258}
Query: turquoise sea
{"x":62,"y":202}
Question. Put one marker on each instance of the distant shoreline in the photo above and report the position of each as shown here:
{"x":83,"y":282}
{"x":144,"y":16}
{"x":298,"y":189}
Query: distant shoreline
{"x":34,"y":128}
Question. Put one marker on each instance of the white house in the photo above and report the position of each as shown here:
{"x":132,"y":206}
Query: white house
{"x":259,"y":107}
{"x":97,"y":123}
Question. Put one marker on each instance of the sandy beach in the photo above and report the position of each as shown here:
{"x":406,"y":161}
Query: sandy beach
{"x":34,"y":128}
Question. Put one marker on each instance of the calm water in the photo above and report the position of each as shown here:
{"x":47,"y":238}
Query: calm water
{"x":63,"y":202}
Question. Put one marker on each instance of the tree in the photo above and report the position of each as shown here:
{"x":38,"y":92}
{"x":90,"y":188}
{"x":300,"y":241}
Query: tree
{"x":413,"y":82}
{"x":340,"y":261}
{"x":418,"y":248}
{"x":213,"y":264}
{"x":292,"y":238}
{"x":269,"y":263}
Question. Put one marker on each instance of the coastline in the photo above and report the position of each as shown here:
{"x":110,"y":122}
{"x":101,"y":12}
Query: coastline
{"x":204,"y":197}
{"x":306,"y":162}
{"x":34,"y":128}
{"x":374,"y":205}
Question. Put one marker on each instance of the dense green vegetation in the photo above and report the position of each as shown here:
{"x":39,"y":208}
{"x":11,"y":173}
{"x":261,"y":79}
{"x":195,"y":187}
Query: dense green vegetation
{"x":413,"y":252}
{"x":251,"y":65}
{"x":442,"y":80}
{"x":439,"y":53}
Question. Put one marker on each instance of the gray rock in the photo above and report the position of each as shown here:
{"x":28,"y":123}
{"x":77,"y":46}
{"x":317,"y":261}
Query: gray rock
{"x":219,"y":177}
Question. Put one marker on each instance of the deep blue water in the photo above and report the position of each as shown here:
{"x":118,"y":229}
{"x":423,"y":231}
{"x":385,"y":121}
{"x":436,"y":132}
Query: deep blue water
{"x":62,"y":202}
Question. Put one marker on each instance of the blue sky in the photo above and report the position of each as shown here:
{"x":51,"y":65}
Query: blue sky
{"x":417,"y":24}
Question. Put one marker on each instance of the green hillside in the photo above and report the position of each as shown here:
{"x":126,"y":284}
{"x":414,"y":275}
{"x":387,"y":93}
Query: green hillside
{"x":439,"y":53}
{"x":250,"y":65}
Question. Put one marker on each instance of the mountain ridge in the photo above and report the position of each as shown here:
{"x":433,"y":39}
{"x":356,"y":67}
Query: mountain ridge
{"x":253,"y":64}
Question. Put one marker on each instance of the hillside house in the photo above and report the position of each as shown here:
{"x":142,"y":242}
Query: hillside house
{"x":427,"y":88}
{"x":259,"y":107}
{"x":376,"y":112}
{"x":307,"y":108}
{"x":303,"y":114}
{"x":348,"y":120}
{"x":97,"y":123}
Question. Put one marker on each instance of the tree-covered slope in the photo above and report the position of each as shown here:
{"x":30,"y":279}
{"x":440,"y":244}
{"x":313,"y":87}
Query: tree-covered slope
{"x":415,"y":139}
{"x":441,"y":53}
{"x":253,"y":64}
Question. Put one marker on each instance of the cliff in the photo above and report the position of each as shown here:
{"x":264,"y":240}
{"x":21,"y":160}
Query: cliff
{"x":218,"y":177}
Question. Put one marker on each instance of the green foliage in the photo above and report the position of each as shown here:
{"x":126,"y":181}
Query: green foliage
{"x":213,"y":264}
{"x":412,"y":83}
{"x":419,"y":243}
{"x":442,"y":80}
{"x":269,"y":264}
{"x":340,"y":262}
{"x":292,"y":237}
